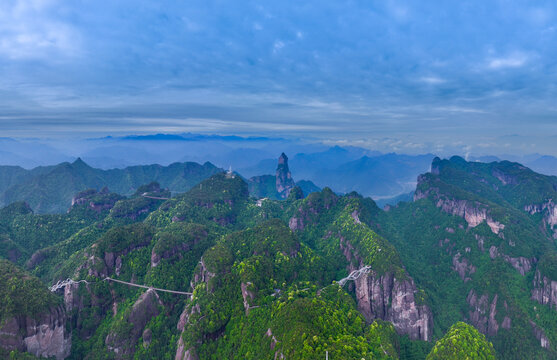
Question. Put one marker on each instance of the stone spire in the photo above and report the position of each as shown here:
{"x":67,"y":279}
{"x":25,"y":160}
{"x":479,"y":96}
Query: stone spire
{"x":284,"y":182}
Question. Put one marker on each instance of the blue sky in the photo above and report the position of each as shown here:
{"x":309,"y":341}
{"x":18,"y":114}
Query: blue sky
{"x":407,"y":76}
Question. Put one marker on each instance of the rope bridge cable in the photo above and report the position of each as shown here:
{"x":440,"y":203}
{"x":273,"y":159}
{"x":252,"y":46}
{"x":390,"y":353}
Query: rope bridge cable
{"x":148,"y":287}
{"x":355,"y":275}
{"x":155,"y":197}
{"x":62,"y":283}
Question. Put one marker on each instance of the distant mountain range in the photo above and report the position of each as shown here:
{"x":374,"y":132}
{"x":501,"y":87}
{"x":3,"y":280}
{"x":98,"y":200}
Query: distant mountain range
{"x":380,"y":176}
{"x":465,"y":270}
{"x":387,"y":178}
{"x":50,"y":189}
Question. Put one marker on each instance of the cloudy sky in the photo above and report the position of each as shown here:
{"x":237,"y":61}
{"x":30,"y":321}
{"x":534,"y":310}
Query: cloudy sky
{"x":409,"y":76}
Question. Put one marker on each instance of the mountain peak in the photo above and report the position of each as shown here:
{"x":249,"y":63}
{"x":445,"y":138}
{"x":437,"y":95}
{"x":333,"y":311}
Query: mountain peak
{"x":79,"y":162}
{"x":283,"y":159}
{"x":284,"y":182}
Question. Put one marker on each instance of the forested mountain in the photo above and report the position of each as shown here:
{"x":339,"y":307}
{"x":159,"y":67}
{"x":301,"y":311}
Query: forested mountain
{"x":50,"y":189}
{"x":263,"y":276}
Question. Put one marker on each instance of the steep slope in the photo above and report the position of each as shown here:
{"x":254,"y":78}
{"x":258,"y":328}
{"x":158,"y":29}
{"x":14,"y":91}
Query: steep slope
{"x":50,"y":189}
{"x":278,"y":187}
{"x":462,"y":341}
{"x":478,"y":255}
{"x":338,"y":227}
{"x":31,"y":318}
{"x":259,"y":288}
{"x":269,"y":279}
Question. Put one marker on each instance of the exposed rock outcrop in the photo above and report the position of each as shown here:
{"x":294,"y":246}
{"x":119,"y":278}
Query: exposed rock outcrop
{"x":505,"y":178}
{"x":274,"y":342}
{"x":309,"y":212}
{"x":183,"y":354}
{"x":44,"y":335}
{"x":545,"y":290}
{"x":473,"y":212}
{"x":521,"y":264}
{"x":97,"y":201}
{"x":247,"y":295}
{"x":284,"y":181}
{"x":145,"y":308}
{"x":463,"y":267}
{"x":540,"y":335}
{"x":390,"y":299}
{"x":482,"y":313}
{"x":202,"y":275}
{"x":549,"y":210}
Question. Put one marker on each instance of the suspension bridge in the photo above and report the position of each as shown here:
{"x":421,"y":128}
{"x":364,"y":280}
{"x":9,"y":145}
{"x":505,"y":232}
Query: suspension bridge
{"x":155,"y":197}
{"x":353,"y":276}
{"x":63,"y":283}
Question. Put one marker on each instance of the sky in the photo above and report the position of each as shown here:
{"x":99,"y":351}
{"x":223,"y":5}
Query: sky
{"x":405,"y":76}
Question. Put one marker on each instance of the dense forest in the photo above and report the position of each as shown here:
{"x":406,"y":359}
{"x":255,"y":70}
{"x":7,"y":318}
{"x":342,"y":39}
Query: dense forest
{"x":468,"y":269}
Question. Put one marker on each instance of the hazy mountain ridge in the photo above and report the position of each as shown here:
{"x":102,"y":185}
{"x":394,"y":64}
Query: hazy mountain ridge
{"x":475,"y":245}
{"x":50,"y":189}
{"x":470,"y":222}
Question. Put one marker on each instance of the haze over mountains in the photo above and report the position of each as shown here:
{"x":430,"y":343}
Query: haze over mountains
{"x":385,"y":177}
{"x":476,"y":244}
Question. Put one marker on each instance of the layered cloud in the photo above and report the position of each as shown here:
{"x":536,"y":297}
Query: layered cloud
{"x":338,"y":70}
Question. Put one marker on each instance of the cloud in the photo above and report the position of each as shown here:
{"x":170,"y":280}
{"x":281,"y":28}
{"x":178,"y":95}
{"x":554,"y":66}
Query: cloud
{"x":459,"y":109}
{"x":29,"y":31}
{"x":191,"y":25}
{"x":539,"y":16}
{"x":432,"y":80}
{"x":514,"y":60}
{"x":277,"y":46}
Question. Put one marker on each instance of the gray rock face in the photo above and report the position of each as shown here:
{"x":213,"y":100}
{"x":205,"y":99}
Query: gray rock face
{"x":247,"y":296}
{"x":505,"y":178}
{"x":462,"y":267}
{"x":545,"y":290}
{"x":284,"y":181}
{"x":482,"y":313}
{"x":175,"y":251}
{"x":472,"y":211}
{"x":390,"y":299}
{"x":182,"y":354}
{"x":549,"y":210}
{"x":145,"y":308}
{"x":42,"y":336}
{"x":387,"y":298}
{"x":521,"y":264}
{"x":540,"y":335}
{"x":203,"y":275}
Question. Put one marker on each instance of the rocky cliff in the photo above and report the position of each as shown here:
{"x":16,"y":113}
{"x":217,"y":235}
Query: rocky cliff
{"x":284,"y":181}
{"x":388,"y":298}
{"x":44,"y":335}
{"x":549,"y":211}
{"x":482,"y":313}
{"x":473,"y":212}
{"x":545,"y":290}
{"x":123,"y":338}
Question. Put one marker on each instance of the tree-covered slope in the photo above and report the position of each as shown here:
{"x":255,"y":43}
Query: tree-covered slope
{"x":478,"y":255}
{"x":50,"y":189}
{"x":261,"y":278}
{"x":462,"y":341}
